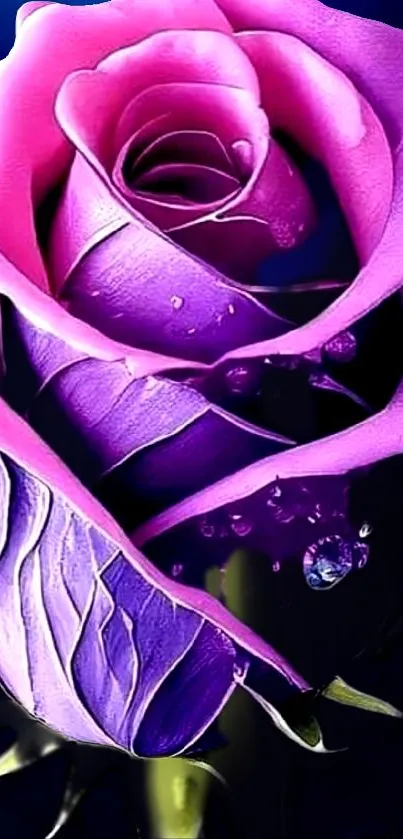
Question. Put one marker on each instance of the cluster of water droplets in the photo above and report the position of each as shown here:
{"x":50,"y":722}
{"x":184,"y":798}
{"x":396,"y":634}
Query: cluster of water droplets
{"x":334,"y":549}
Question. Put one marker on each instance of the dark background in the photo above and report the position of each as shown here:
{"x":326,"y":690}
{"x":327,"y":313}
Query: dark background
{"x":279,"y":790}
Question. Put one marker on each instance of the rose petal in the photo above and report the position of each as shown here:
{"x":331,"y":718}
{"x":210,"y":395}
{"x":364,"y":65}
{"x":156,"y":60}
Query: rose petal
{"x":57,"y":40}
{"x":197,"y":183}
{"x":374,"y":439}
{"x":138,"y":287}
{"x":59,"y":616}
{"x":333,"y":123}
{"x":369,"y":53}
{"x":46,"y":314}
{"x":206,"y":188}
{"x":26,"y":10}
{"x":208,"y":58}
{"x":273,"y":212}
{"x":185,"y":147}
{"x":107,"y":425}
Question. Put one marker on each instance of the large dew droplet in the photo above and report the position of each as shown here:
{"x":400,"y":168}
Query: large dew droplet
{"x":329,"y":560}
{"x":342,"y":347}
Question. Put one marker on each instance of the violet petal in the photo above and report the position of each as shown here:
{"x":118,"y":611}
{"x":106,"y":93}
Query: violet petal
{"x":89,"y":637}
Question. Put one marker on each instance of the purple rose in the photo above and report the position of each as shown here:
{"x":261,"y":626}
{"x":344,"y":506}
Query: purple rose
{"x":153,"y":157}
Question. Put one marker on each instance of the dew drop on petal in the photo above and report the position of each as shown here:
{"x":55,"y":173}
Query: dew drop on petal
{"x":361,"y":552}
{"x":239,"y":379}
{"x":276,"y":567}
{"x":243,"y":155}
{"x":177,"y":302}
{"x":327,"y":561}
{"x":240,"y":525}
{"x":176,"y":569}
{"x":342,"y":347}
{"x":207,"y":529}
{"x":240,"y":672}
{"x":231,"y":309}
{"x":365,"y":530}
{"x":274,"y":491}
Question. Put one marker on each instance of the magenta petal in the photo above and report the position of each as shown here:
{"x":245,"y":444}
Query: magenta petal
{"x":56,"y":41}
{"x":199,"y":57}
{"x":320,"y":108}
{"x":274,"y":211}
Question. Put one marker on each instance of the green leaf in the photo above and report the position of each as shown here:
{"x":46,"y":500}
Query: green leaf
{"x":339,"y":691}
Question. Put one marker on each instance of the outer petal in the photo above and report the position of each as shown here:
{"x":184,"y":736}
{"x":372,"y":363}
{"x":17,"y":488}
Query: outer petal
{"x":374,"y":439}
{"x":55,"y":41}
{"x":110,"y":640}
{"x":370,"y":55}
{"x":329,"y":118}
{"x":111,"y":416}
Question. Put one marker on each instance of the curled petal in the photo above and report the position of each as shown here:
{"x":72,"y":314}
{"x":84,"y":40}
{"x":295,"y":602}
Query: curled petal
{"x":139,"y":288}
{"x":112,"y":427}
{"x":344,"y":132}
{"x":55,"y":41}
{"x":169,"y":58}
{"x":113,"y":638}
{"x":374,"y":439}
{"x":45,"y":313}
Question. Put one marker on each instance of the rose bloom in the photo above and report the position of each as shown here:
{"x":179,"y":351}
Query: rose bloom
{"x":200,"y":254}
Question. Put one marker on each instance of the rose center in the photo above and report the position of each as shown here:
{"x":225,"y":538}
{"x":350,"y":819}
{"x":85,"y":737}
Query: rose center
{"x":186,"y":167}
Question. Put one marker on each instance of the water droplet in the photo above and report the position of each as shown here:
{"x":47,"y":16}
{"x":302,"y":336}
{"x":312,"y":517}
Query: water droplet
{"x":365,"y":530}
{"x":342,"y":347}
{"x":191,"y":331}
{"x":317,"y":379}
{"x":177,"y":302}
{"x":176,"y":569}
{"x":231,"y":309}
{"x":117,"y":316}
{"x":95,"y":293}
{"x":239,"y":672}
{"x":238,"y":379}
{"x":361,"y":554}
{"x":330,"y":559}
{"x":240,"y":525}
{"x":301,"y":227}
{"x":274,"y":491}
{"x":243,"y":155}
{"x":207,"y":529}
{"x":276,"y":567}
